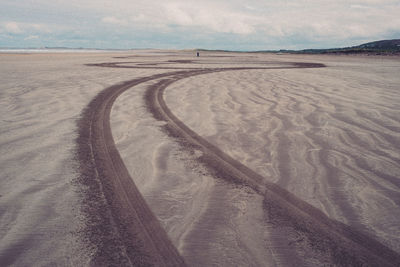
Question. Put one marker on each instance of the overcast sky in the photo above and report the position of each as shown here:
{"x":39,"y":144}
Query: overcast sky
{"x":216,"y":24}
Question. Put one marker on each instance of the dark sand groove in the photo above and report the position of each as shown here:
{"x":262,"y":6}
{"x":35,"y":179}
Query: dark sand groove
{"x":260,"y":65}
{"x":125,"y":231}
{"x":121,"y":226}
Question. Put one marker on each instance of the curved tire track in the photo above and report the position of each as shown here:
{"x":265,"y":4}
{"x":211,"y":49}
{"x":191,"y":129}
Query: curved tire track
{"x":343,"y":245}
{"x":121,"y":227}
{"x":124,"y":230}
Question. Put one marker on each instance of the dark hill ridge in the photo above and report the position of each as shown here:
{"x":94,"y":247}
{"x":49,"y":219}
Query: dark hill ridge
{"x":384,"y":44}
{"x":382,"y":47}
{"x":378,"y":47}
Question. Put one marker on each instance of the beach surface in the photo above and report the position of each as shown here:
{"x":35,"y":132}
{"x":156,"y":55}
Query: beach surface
{"x":163,"y":158}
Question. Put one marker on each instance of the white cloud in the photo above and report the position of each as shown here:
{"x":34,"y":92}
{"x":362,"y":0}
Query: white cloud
{"x":255,"y":20}
{"x":12,"y":27}
{"x":115,"y":21}
{"x":211,"y":17}
{"x":31,"y":37}
{"x":323,"y":19}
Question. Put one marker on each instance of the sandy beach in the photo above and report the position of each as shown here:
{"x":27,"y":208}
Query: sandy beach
{"x":167,"y":159}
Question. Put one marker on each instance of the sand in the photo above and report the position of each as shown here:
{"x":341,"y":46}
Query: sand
{"x":42,"y":97}
{"x":329,"y":135}
{"x":309,"y":170}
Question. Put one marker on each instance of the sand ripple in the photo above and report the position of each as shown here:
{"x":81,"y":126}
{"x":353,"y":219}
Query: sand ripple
{"x":41,"y":97}
{"x":331,"y":135}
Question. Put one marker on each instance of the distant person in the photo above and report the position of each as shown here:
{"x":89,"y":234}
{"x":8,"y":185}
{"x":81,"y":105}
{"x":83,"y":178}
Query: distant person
{"x":198,"y":54}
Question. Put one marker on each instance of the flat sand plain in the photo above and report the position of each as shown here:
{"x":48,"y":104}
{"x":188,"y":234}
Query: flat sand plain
{"x":327,"y":136}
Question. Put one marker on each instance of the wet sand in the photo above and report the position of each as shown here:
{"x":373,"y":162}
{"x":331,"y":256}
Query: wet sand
{"x":217,"y":155}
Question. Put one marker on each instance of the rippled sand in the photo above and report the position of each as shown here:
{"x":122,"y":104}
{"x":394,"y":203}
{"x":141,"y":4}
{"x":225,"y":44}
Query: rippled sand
{"x":41,"y":98}
{"x":331,"y":136}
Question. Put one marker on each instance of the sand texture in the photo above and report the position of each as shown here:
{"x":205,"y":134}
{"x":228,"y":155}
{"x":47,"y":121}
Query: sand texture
{"x":42,"y":97}
{"x":165,"y":159}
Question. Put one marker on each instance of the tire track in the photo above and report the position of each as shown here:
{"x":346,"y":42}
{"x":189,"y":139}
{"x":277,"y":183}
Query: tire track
{"x":121,"y":227}
{"x":340,"y":243}
{"x":124,"y":231}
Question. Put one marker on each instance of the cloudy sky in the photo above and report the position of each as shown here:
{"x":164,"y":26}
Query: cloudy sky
{"x":216,"y":24}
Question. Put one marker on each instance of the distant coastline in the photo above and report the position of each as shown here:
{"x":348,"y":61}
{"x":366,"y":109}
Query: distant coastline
{"x":382,"y":47}
{"x":7,"y":50}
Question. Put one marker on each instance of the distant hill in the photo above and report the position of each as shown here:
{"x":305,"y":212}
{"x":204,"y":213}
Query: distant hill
{"x":383,"y":47}
{"x":389,"y":45}
{"x":377,"y":47}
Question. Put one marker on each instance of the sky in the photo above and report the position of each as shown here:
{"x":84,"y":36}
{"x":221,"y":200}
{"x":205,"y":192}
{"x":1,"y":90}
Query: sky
{"x":189,"y":24}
